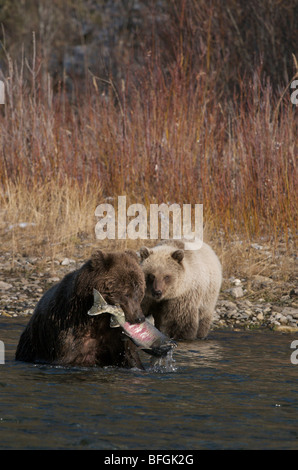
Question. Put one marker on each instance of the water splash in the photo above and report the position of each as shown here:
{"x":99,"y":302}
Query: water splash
{"x":163,"y":364}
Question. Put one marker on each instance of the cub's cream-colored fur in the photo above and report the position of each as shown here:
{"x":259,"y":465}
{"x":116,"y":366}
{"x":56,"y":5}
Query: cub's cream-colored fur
{"x":182,"y":288}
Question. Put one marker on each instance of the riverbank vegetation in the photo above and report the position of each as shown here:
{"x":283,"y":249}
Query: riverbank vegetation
{"x":198,"y":113}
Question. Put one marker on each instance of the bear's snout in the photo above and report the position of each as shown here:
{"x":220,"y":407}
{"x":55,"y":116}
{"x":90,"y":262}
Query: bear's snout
{"x":156,"y":293}
{"x":155,"y":286}
{"x":140,"y":318}
{"x":133,"y":312}
{"x":137,"y":317}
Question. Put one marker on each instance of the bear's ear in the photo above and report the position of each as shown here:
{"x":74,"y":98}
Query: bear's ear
{"x":178,"y":255}
{"x":144,"y":253}
{"x":133,"y":254}
{"x":99,"y":259}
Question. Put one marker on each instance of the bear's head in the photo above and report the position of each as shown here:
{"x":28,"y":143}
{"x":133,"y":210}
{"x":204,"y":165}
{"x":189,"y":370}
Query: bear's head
{"x":119,"y":278}
{"x":164,"y":271}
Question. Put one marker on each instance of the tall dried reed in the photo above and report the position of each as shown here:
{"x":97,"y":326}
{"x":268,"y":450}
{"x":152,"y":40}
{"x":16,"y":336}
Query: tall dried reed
{"x":162,"y":135}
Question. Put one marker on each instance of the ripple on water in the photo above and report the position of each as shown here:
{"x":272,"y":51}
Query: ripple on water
{"x":235,"y":390}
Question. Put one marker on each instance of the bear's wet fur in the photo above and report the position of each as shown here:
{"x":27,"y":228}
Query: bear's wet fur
{"x":60,"y":330}
{"x":182,"y":288}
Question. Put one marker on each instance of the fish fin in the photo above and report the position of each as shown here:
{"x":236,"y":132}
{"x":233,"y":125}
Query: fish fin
{"x":94,"y":310}
{"x":99,"y":301}
{"x":98,"y":304}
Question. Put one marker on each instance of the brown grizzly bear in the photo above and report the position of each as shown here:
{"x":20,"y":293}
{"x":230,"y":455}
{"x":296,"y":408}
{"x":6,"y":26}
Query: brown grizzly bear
{"x":182,"y":288}
{"x":61,"y":332}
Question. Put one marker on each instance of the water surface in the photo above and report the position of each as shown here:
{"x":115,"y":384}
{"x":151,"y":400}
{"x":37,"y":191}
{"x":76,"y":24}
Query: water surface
{"x":236,"y":390}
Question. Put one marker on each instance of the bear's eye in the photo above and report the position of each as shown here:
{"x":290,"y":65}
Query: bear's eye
{"x":166,"y":278}
{"x":150,"y":277}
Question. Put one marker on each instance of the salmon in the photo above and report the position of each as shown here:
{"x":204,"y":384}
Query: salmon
{"x":144,"y":335}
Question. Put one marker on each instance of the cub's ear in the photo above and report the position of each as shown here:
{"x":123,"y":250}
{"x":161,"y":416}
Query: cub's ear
{"x":133,"y":254}
{"x":178,"y":255}
{"x":144,"y":253}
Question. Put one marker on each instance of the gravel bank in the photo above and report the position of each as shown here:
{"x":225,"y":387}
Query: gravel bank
{"x":243,"y":303}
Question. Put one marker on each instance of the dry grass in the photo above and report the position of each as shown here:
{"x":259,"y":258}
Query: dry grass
{"x":49,"y":219}
{"x":161,"y":137}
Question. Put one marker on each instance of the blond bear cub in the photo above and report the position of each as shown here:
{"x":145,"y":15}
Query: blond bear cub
{"x":182,"y":288}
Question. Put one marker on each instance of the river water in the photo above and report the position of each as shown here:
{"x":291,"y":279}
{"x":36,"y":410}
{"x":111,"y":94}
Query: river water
{"x":236,"y":390}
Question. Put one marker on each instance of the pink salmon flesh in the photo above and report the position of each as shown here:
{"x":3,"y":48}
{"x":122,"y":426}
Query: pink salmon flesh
{"x":144,"y":334}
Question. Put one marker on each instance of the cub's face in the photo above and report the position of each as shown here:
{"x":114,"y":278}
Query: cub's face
{"x":163,"y":272}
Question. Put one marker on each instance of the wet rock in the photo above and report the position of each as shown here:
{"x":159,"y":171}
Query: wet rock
{"x":286,"y":329}
{"x":293,"y":292}
{"x":261,"y":282}
{"x":235,"y":281}
{"x":290,"y":311}
{"x":226,"y":304}
{"x":54,"y":279}
{"x":67,"y":262}
{"x":237,"y":292}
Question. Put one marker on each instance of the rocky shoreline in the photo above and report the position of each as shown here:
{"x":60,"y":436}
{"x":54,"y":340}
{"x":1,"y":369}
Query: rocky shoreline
{"x":243,"y":303}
